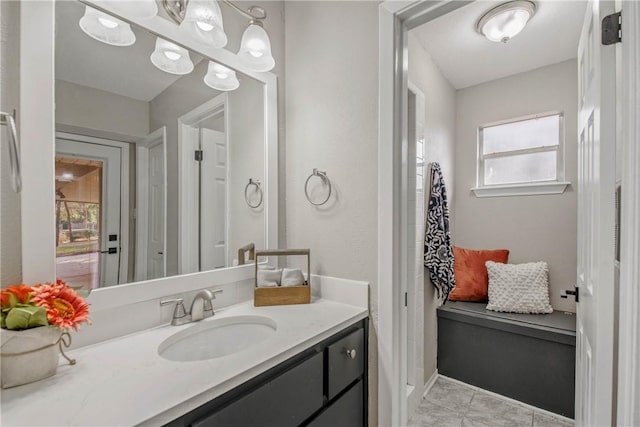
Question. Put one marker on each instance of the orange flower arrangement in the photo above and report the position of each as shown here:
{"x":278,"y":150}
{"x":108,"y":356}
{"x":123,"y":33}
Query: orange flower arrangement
{"x":56,"y":304}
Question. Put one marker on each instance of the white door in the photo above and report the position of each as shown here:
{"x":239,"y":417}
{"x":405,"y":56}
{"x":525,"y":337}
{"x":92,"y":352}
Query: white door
{"x":155,"y":230}
{"x":213,"y":200}
{"x":109,"y":229}
{"x":596,"y":208}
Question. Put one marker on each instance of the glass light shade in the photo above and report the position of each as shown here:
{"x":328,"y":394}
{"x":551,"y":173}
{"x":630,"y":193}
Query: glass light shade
{"x":255,"y":49}
{"x":506,"y":21}
{"x":171,"y":58}
{"x":203,"y":20}
{"x":220,"y":77}
{"x":106,"y":28}
{"x":142,"y":9}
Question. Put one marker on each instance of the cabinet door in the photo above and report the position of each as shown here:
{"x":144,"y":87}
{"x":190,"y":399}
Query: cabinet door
{"x":286,"y":400}
{"x":345,"y":368}
{"x":347,"y":411}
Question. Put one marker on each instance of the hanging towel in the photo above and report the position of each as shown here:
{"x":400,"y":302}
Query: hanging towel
{"x":438,"y":252}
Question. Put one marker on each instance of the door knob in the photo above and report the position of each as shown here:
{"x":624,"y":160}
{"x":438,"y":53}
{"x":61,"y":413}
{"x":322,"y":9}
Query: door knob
{"x":350,"y":353}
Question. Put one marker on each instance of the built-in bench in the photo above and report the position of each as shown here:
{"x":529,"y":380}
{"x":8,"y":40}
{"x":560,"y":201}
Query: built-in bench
{"x":527,"y":357}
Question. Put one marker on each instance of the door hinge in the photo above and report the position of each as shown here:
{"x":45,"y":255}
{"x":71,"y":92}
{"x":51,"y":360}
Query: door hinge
{"x":406,"y":300}
{"x":612,"y":29}
{"x":199,"y":155}
{"x":575,"y":292}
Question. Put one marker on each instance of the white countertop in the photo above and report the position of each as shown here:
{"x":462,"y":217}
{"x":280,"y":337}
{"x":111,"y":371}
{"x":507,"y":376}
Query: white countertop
{"x":124,"y":381}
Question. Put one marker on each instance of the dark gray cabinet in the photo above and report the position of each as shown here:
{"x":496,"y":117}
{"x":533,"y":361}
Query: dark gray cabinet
{"x":325,"y":385}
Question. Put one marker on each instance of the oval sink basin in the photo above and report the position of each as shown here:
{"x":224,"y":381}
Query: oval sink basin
{"x":216,"y":338}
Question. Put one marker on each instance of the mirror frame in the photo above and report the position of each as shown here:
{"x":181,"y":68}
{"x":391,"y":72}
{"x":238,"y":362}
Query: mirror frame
{"x":37,"y":126}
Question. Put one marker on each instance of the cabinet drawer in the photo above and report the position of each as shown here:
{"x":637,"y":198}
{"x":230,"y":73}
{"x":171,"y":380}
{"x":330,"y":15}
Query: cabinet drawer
{"x":286,"y":400}
{"x":342,"y":368}
{"x":347,"y":411}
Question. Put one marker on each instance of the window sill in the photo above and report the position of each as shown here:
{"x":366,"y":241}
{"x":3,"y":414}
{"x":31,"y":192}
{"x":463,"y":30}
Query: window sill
{"x":533,"y":189}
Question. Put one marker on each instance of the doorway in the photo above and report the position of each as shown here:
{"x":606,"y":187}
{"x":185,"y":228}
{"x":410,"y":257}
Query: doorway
{"x":91,"y":246}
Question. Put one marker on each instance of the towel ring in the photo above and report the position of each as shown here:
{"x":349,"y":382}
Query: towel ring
{"x":325,"y":179}
{"x":258,"y":188}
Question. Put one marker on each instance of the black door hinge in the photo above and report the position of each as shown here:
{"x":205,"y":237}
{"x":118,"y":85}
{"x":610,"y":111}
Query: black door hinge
{"x":612,"y":29}
{"x":406,"y":300}
{"x":575,"y":292}
{"x":199,"y":155}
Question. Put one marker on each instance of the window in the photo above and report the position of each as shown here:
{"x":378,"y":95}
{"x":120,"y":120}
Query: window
{"x":521,"y":156}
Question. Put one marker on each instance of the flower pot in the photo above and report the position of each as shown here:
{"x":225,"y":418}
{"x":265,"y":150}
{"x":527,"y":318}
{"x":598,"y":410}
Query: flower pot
{"x":29,"y":355}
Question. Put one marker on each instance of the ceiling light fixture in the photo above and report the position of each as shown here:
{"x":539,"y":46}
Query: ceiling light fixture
{"x":106,"y":28}
{"x":220,"y":77}
{"x":171,"y":58}
{"x":504,"y":22}
{"x":203,"y":20}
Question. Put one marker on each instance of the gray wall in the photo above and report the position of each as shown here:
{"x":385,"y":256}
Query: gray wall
{"x":533,"y":228}
{"x":332,"y":124}
{"x":440,"y":115}
{"x":90,"y":108}
{"x":10,"y":230}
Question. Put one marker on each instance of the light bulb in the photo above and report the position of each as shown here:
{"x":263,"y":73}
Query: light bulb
{"x":172,"y":55}
{"x":107,"y":22}
{"x":106,"y":29}
{"x":204,"y":26}
{"x":222,"y":76}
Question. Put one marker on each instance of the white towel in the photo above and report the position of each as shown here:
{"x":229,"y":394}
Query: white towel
{"x":269,"y":278}
{"x":292,"y":277}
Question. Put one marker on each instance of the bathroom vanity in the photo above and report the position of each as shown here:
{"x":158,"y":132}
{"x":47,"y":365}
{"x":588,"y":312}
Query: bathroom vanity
{"x":310,"y":371}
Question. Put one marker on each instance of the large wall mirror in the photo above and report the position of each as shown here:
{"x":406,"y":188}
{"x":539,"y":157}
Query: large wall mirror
{"x":160,"y":155}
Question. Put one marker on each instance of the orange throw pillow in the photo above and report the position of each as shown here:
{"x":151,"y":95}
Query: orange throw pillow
{"x":470,"y":272}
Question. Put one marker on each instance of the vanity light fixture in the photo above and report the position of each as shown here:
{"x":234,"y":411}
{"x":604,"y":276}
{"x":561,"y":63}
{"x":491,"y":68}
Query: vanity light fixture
{"x":106,"y":28}
{"x":203,"y":21}
{"x":171,"y":58}
{"x":198,"y":17}
{"x":505,"y":21}
{"x":220,"y":77}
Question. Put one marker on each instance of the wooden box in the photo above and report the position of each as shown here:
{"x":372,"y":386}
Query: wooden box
{"x":282,"y":295}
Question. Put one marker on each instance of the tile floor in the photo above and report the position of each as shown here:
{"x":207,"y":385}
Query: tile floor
{"x":451,"y":404}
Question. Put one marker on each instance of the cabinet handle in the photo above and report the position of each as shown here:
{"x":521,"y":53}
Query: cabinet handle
{"x":350,"y":353}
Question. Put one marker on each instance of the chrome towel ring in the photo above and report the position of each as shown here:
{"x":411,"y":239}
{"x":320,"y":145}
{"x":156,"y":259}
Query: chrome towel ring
{"x":14,"y":154}
{"x":258,"y":188}
{"x":325,"y":179}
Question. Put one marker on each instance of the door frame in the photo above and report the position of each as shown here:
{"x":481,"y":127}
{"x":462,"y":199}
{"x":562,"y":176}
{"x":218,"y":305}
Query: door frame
{"x":157,"y":137}
{"x":628,"y":412}
{"x":188,"y":247}
{"x":396,"y":18}
{"x":123,"y":274}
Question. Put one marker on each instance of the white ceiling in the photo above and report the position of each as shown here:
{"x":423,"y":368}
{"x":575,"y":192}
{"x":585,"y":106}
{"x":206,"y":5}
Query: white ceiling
{"x":466,"y":58}
{"x":124,"y":71}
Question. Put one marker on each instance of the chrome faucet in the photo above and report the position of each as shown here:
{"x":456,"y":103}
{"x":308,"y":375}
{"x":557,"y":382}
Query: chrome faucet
{"x":201,"y":307}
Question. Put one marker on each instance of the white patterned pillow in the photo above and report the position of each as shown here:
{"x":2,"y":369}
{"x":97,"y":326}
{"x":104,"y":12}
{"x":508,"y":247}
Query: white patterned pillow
{"x":519,"y":288}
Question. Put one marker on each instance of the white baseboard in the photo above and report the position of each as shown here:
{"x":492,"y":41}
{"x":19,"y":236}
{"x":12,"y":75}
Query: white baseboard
{"x":429,"y":384}
{"x":508,"y":399}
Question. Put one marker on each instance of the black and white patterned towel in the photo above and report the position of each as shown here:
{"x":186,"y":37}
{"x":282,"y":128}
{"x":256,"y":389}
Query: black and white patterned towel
{"x":438,"y":252}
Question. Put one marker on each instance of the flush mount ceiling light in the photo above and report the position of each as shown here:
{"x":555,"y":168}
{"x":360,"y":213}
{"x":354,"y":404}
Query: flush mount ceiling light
{"x":220,"y":77}
{"x":203,"y":20}
{"x":106,"y":28}
{"x":171,"y":58}
{"x":505,"y":21}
